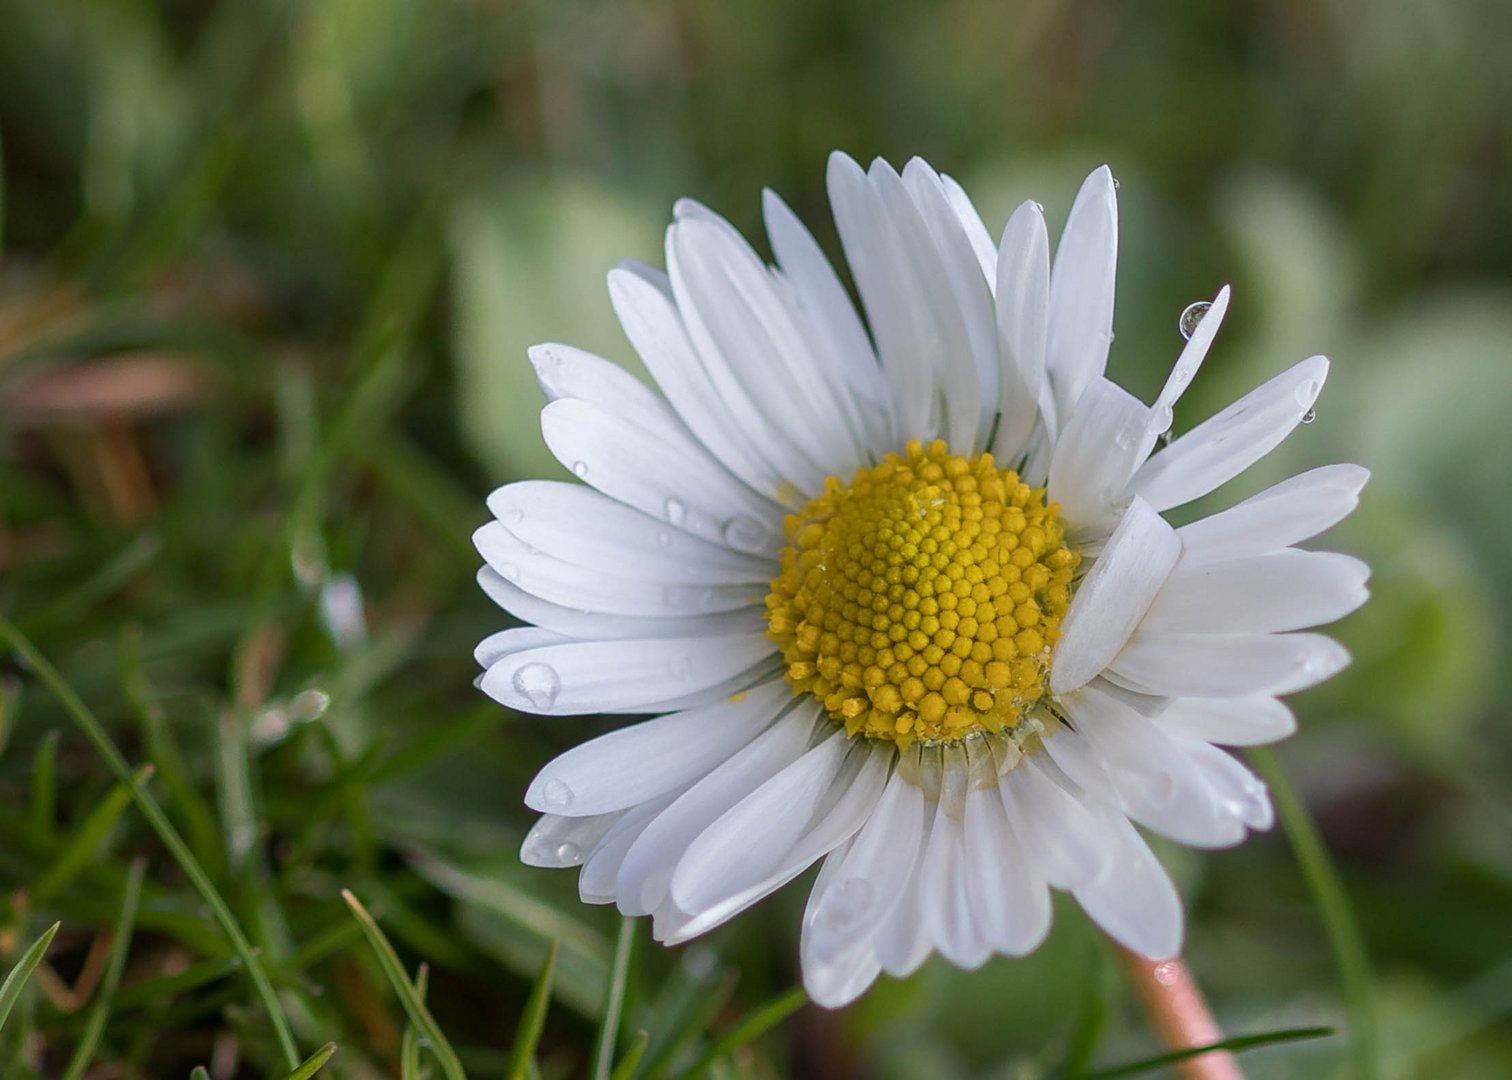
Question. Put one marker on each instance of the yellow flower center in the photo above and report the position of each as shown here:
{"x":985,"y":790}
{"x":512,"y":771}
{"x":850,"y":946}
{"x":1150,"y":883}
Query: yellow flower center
{"x":923,"y":599}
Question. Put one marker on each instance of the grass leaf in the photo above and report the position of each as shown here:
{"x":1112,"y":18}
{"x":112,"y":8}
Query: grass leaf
{"x":633,"y":1054}
{"x":614,"y":1001}
{"x":533,"y":1019}
{"x":1235,"y":1044}
{"x":120,"y":946}
{"x":408,"y":994}
{"x":1338,"y":915}
{"x":10,"y":990}
{"x":314,"y":1063}
{"x":752,"y":1026}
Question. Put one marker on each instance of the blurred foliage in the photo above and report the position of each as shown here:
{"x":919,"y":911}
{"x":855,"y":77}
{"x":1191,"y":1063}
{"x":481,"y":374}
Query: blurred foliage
{"x":269,"y":271}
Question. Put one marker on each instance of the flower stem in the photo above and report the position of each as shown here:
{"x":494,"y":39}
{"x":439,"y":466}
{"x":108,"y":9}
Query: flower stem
{"x":1179,"y":1014}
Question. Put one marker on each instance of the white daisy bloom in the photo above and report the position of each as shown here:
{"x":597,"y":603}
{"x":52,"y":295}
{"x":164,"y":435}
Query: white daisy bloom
{"x":899,"y":592}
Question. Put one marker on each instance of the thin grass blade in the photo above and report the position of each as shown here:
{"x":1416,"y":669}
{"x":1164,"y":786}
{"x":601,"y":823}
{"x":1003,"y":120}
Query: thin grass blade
{"x":633,"y":1054}
{"x":614,"y":1001}
{"x":533,"y":1020}
{"x":1234,"y":1045}
{"x":10,"y":990}
{"x":120,"y":946}
{"x":314,"y":1063}
{"x":408,"y":995}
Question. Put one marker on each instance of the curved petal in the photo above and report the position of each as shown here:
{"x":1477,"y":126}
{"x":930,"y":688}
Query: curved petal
{"x":1107,"y":436}
{"x":1228,"y":721}
{"x":1222,"y":447}
{"x":634,"y":764}
{"x":1023,"y":303}
{"x":1284,"y":590}
{"x":1080,"y":325}
{"x":587,"y":528}
{"x":1234,"y":665}
{"x":1287,"y":513}
{"x":578,"y":677}
{"x":1133,"y":900}
{"x":577,"y":623}
{"x":668,"y":478}
{"x":1114,"y":596}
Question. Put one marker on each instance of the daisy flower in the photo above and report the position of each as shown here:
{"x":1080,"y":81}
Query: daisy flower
{"x":898,"y":592}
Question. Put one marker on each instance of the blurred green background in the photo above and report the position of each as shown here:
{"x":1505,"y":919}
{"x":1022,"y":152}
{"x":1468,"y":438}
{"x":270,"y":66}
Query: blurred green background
{"x":270,"y":268}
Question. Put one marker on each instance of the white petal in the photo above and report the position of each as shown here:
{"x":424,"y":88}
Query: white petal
{"x":903,"y":942}
{"x":577,"y":586}
{"x":577,"y":623}
{"x":1222,"y":447}
{"x":1286,"y":514}
{"x":881,"y":861}
{"x":1284,"y":590}
{"x":1023,"y":299}
{"x":1165,"y":783}
{"x":1114,"y":596}
{"x":601,"y":868}
{"x":1007,"y":891}
{"x":1192,"y":355}
{"x":644,"y":877}
{"x":753,"y":348}
{"x":969,"y":291}
{"x":586,"y":528}
{"x":667,"y":477}
{"x":778,"y":831}
{"x":834,"y":981}
{"x":895,"y":311}
{"x":633,"y":764}
{"x":496,"y":647}
{"x":971,"y":222}
{"x":949,"y":920}
{"x":1234,"y":665}
{"x":1106,"y":437}
{"x":1133,"y":900}
{"x":566,"y":372}
{"x":652,"y":323}
{"x":823,"y":299}
{"x":1228,"y":721}
{"x":555,"y":842}
{"x":1056,"y":828}
{"x":1081,"y":291}
{"x":581,"y":677}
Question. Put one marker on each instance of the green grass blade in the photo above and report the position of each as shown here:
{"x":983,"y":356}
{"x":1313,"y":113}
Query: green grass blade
{"x":614,"y":1001}
{"x":314,"y":1063}
{"x":753,"y":1025}
{"x":87,"y":840}
{"x":1338,"y":916}
{"x":409,"y":1047}
{"x":419,"y":1015}
{"x":120,"y":946}
{"x":170,"y":837}
{"x":633,"y":1054}
{"x":10,"y":990}
{"x":44,"y":789}
{"x":1234,"y":1045}
{"x":533,"y":1019}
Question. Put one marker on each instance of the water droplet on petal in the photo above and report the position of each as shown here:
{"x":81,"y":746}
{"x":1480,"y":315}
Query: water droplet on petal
{"x":1307,"y":393}
{"x":847,"y":903}
{"x":580,"y":469}
{"x":676,"y":512}
{"x":538,"y":684}
{"x":556,"y":795}
{"x":1162,"y":418}
{"x":1191,"y":316}
{"x":569,"y":853}
{"x":1309,"y":416}
{"x":745,"y":533}
{"x":514,"y":515}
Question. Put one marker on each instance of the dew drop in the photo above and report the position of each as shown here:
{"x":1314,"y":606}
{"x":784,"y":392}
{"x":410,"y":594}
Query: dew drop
{"x":1307,"y":393}
{"x":847,"y":903}
{"x":580,"y":469}
{"x":1309,"y":416}
{"x":538,"y":684}
{"x":569,"y":853}
{"x":1191,"y":315}
{"x":556,"y":796}
{"x":745,"y":534}
{"x":676,"y":511}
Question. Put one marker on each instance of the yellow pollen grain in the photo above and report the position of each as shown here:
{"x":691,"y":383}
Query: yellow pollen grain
{"x":923,"y":599}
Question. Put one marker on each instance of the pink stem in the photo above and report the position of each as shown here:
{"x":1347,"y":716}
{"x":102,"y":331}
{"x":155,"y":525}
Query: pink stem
{"x":1180,"y":1015}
